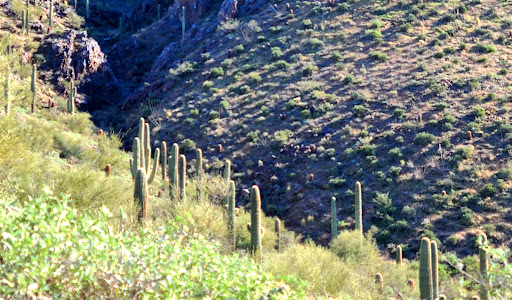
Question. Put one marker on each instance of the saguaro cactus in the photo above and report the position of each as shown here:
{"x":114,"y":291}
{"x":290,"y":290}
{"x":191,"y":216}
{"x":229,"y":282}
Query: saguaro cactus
{"x":71,"y":100}
{"x":425,"y":270}
{"x":334,"y":219}
{"x":277,"y":225}
{"x":227,"y":170}
{"x":231,"y":213}
{"x":435,"y":270}
{"x":138,"y":162}
{"x":173,"y":167}
{"x":359,"y":208}
{"x":50,"y":16}
{"x":182,"y":169}
{"x":141,"y":193}
{"x":183,"y":23}
{"x":163,"y":160}
{"x":33,"y":87}
{"x":255,"y":221}
{"x":398,"y":254}
{"x":23,"y":21}
{"x":482,"y":253}
{"x":87,"y":9}
{"x":199,"y":174}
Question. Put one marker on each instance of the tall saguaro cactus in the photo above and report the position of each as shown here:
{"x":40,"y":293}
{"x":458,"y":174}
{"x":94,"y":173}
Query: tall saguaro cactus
{"x":359,"y":208}
{"x":163,"y":160}
{"x":482,"y":253}
{"x":50,"y":16}
{"x":173,"y":168}
{"x":227,"y":170}
{"x":183,"y":23}
{"x":141,"y":194}
{"x":255,"y":221}
{"x":334,"y":219}
{"x":435,"y":269}
{"x":33,"y":87}
{"x":199,"y":173}
{"x":182,"y":169}
{"x":231,"y":213}
{"x":426,"y":290}
{"x":71,"y":100}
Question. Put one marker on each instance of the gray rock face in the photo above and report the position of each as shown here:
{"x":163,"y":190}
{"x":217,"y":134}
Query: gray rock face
{"x":77,"y":57}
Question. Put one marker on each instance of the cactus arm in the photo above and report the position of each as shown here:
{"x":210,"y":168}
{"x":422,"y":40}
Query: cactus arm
{"x":156,"y":159}
{"x":425,"y":270}
{"x":141,"y":193}
{"x":227,"y":170}
{"x":334,"y":219}
{"x":231,"y":213}
{"x":173,"y":167}
{"x":182,"y":167}
{"x":358,"y":208}
{"x":163,"y":160}
{"x":147,"y":159}
{"x":255,"y":221}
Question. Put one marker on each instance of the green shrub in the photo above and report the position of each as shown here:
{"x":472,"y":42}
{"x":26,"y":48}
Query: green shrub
{"x":359,"y":110}
{"x":187,"y":145}
{"x":276,"y":52}
{"x":488,"y":190}
{"x":216,"y":72}
{"x":239,"y":48}
{"x":478,"y":112}
{"x":399,"y":113}
{"x":375,"y":55}
{"x":424,"y":138}
{"x":482,"y":48}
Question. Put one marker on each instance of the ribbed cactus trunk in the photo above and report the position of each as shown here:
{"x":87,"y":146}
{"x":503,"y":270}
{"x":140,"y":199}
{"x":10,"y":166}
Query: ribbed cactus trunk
{"x":173,"y":168}
{"x":231,"y":214}
{"x":163,"y":160}
{"x":398,"y":255}
{"x":156,"y":159}
{"x":277,"y":225}
{"x":33,"y":87}
{"x":256,"y":222}
{"x":142,"y":149}
{"x":141,"y":194}
{"x":435,"y":269}
{"x":199,"y":174}
{"x":50,"y":17}
{"x":71,"y":100}
{"x":147,"y":147}
{"x":27,"y":21}
{"x":359,"y":208}
{"x":482,"y":253}
{"x":425,"y":270}
{"x":182,"y":169}
{"x":227,"y":171}
{"x":334,"y":219}
{"x":23,"y":21}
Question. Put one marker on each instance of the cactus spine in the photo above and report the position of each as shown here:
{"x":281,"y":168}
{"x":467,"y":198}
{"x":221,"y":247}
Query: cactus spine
{"x":425,"y":269}
{"x":182,"y":169}
{"x":173,"y":168}
{"x":183,"y":23}
{"x":482,"y":253}
{"x":163,"y":160}
{"x":33,"y":87}
{"x":277,"y":224}
{"x":71,"y":100}
{"x":255,"y":221}
{"x":140,"y":194}
{"x":435,"y":270}
{"x":199,"y":174}
{"x":398,"y":255}
{"x":359,"y":208}
{"x":334,"y":219}
{"x":231,"y":213}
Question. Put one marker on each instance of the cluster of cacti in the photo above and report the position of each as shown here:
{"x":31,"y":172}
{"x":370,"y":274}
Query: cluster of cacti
{"x":334,"y":219}
{"x":33,"y":87}
{"x":358,"y":208}
{"x":429,"y":278}
{"x":142,"y":153}
{"x":71,"y":100}
{"x":482,"y":253}
{"x":231,"y":213}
